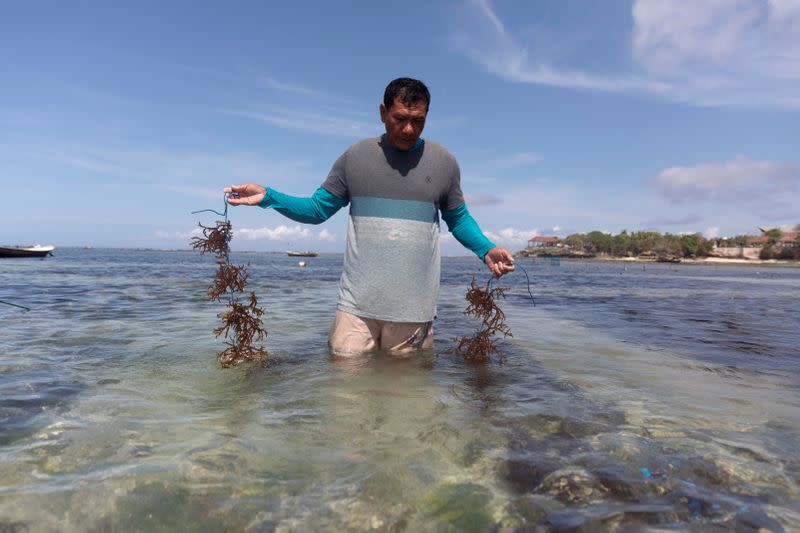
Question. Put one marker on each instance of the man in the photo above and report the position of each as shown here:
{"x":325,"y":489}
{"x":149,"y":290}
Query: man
{"x":396,"y":184}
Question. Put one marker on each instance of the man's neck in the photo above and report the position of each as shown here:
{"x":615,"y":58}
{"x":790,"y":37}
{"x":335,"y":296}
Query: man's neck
{"x":416,"y":146}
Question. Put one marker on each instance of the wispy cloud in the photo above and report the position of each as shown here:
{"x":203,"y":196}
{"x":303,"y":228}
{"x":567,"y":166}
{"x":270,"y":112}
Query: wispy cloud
{"x":283,"y":86}
{"x":481,"y":199}
{"x":763,"y":190}
{"x":740,"y":181}
{"x":673,"y":221}
{"x":199,"y":192}
{"x":311,"y":121}
{"x":744,"y":53}
{"x":183,"y":236}
{"x":520,"y":159}
{"x":176,"y":171}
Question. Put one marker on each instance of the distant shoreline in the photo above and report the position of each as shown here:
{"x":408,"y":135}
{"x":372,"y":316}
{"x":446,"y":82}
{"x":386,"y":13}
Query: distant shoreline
{"x":685,"y":261}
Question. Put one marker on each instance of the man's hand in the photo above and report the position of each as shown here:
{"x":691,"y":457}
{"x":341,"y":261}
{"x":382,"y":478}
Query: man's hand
{"x":500,"y":261}
{"x":247,"y":194}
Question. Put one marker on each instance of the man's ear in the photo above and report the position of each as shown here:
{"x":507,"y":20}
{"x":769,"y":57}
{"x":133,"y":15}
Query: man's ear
{"x":383,"y":111}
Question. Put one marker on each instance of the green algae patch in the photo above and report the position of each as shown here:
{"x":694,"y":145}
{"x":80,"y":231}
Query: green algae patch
{"x":460,"y":507}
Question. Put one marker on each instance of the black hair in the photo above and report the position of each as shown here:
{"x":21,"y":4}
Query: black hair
{"x":409,"y":90}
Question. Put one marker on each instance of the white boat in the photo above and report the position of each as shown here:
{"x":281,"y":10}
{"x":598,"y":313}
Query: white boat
{"x":37,"y":250}
{"x":301,"y":254}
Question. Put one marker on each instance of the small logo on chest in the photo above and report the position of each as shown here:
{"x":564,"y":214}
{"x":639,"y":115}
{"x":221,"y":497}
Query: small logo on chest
{"x":428,"y":179}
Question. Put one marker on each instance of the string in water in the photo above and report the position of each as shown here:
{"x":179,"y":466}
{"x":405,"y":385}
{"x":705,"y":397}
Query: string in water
{"x":15,"y":305}
{"x":527,"y":278}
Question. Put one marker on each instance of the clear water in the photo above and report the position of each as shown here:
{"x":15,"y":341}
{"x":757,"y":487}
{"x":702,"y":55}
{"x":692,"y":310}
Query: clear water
{"x":115,"y":415}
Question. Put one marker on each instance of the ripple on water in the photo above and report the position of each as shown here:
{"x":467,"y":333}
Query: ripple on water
{"x":26,"y":408}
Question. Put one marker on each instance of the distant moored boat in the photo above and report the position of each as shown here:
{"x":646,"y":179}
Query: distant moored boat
{"x":36,"y":250}
{"x":301,"y":254}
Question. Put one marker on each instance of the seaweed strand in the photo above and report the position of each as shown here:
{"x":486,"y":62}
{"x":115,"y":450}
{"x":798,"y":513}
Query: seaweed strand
{"x":241,"y":324}
{"x":483,"y":344}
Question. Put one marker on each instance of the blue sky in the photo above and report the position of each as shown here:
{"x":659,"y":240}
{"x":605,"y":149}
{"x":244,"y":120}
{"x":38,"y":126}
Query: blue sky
{"x":565,"y":116}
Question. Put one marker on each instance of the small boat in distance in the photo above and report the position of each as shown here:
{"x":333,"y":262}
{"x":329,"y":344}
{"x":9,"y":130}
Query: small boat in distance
{"x":301,"y":254}
{"x":36,"y":250}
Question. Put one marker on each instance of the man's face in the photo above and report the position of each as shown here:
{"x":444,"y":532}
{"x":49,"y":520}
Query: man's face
{"x":404,"y":122}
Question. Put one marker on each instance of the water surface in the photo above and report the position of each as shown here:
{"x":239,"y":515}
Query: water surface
{"x":657,"y":396}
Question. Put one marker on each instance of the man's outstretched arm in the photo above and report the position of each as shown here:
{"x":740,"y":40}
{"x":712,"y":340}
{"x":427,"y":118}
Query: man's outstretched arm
{"x":466,"y":231}
{"x":314,"y":210}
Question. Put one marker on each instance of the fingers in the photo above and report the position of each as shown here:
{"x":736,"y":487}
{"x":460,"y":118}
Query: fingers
{"x":253,"y":199}
{"x":501,"y":268}
{"x":240,"y":194}
{"x":506,"y":268}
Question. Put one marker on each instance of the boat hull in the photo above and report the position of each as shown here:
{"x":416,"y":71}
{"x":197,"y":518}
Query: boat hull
{"x":301,"y":254}
{"x":29,"y":251}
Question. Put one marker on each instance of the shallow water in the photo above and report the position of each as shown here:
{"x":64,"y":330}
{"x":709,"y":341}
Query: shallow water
{"x":657,"y":396}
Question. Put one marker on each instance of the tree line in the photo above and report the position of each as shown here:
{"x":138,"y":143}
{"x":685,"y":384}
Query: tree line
{"x":626,"y":244}
{"x":631,"y":244}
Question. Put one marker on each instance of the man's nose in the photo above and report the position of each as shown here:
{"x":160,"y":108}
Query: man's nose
{"x":408,"y":127}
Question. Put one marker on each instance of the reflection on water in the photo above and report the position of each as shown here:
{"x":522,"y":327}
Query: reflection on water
{"x":631,"y":397}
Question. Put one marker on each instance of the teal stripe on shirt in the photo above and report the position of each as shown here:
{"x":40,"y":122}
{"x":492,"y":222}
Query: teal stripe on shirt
{"x":367,"y":206}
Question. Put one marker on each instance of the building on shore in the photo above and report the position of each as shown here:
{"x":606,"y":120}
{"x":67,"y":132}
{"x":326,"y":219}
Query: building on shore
{"x":539,"y":241}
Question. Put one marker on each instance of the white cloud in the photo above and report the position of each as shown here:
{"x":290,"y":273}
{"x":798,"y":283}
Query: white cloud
{"x":740,"y":181}
{"x":178,"y":235}
{"x":280,"y":233}
{"x":712,"y":52}
{"x":481,"y":36}
{"x":711,"y":233}
{"x":512,"y":238}
{"x":325,"y":235}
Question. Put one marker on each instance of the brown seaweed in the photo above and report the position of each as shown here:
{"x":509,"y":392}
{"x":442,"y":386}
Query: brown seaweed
{"x":215,"y":239}
{"x":245,"y":322}
{"x":482,"y":345}
{"x":241,"y":324}
{"x":229,"y":278}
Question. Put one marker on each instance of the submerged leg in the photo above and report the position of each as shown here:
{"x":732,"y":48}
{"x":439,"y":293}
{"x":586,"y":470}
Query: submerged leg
{"x":353,"y":335}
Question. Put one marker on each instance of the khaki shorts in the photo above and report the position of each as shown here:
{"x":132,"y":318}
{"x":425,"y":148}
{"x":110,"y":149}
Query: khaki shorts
{"x":352,"y":335}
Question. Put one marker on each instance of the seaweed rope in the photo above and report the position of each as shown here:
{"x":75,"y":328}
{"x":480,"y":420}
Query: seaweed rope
{"x":242,"y":323}
{"x":224,"y":215}
{"x":489,"y":283}
{"x":15,"y":305}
